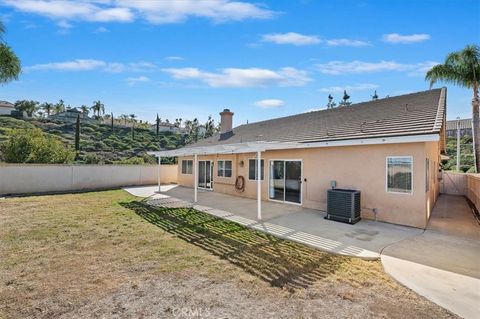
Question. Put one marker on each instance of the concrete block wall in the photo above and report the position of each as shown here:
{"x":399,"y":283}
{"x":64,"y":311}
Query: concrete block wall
{"x":38,"y":178}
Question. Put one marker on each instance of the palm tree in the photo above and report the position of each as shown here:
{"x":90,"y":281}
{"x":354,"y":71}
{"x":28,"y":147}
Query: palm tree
{"x":98,"y":108}
{"x":10,"y":67}
{"x":124,"y":117}
{"x":47,"y":107}
{"x":462,"y":68}
{"x":59,"y":107}
{"x":26,"y":106}
{"x":85,"y":110}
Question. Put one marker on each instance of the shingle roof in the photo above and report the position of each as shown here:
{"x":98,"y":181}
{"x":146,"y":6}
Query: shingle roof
{"x":410,"y":114}
{"x":464,"y":124}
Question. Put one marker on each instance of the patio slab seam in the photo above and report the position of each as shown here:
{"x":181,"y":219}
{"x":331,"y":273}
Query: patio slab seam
{"x":318,"y":242}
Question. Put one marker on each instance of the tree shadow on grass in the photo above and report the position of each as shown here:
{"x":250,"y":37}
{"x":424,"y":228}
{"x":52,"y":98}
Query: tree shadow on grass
{"x":277,"y":261}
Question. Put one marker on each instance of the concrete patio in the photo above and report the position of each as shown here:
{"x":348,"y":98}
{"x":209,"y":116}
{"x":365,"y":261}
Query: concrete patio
{"x":366,"y":239}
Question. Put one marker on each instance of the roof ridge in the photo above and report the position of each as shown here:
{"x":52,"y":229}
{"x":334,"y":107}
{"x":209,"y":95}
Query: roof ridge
{"x":343,"y":107}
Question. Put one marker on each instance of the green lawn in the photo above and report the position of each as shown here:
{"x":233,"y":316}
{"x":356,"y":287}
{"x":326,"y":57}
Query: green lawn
{"x":102,"y":254}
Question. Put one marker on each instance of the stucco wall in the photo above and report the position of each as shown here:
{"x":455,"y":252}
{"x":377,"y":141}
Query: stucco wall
{"x":358,"y":167}
{"x":33,"y":178}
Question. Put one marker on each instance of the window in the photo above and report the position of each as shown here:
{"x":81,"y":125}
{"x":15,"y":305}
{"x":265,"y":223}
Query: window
{"x":187,"y":166}
{"x":224,"y":169}
{"x":427,"y":174}
{"x":252,"y":169}
{"x":399,"y":174}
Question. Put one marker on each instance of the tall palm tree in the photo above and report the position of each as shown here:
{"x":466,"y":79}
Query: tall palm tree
{"x":462,"y":68}
{"x":10,"y":67}
{"x":85,"y":110}
{"x":59,"y":107}
{"x":47,"y":107}
{"x":98,"y":107}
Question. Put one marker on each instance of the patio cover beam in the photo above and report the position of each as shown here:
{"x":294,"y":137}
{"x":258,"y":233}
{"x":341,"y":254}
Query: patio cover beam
{"x":259,"y":186}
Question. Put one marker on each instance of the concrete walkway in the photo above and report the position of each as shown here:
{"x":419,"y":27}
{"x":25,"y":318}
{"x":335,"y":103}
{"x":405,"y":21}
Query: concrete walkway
{"x":365,"y":239}
{"x":443,"y":263}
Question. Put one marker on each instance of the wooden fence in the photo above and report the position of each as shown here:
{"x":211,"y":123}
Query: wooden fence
{"x":462,"y":184}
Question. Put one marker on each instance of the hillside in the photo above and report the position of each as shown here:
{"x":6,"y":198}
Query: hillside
{"x":466,"y":154}
{"x":98,"y":143}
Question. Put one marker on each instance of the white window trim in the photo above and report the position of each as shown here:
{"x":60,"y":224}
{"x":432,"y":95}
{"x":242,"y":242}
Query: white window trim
{"x":218,"y":166}
{"x":181,"y":167}
{"x":386,"y":176}
{"x":254,"y":180}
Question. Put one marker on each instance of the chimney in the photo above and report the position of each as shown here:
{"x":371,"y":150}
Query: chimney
{"x":226,"y":121}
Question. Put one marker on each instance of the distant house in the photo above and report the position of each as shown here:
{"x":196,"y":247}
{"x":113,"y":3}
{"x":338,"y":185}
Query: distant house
{"x":465,"y":126}
{"x":70,"y":116}
{"x":6,"y":108}
{"x":168,"y":127}
{"x":388,"y":149}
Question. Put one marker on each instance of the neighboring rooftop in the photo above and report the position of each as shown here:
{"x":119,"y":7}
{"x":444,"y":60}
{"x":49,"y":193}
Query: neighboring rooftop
{"x":7,"y":104}
{"x":410,"y":114}
{"x":464,"y":124}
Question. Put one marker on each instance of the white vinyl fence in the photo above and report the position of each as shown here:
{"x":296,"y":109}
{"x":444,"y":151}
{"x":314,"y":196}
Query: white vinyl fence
{"x":35,"y":178}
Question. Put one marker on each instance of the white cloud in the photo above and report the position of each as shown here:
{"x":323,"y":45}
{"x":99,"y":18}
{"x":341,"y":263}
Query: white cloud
{"x":347,"y":43}
{"x":291,"y":38}
{"x":344,"y":67}
{"x":134,"y":80}
{"x":356,"y":87}
{"x":101,"y":30}
{"x":249,"y":77}
{"x":157,"y":12}
{"x":72,"y":10}
{"x":64,"y":24}
{"x":174,"y":58}
{"x":269,"y":103}
{"x":91,"y":64}
{"x":410,"y":38}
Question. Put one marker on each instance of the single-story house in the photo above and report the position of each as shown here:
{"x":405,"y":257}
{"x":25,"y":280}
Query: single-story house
{"x":70,"y":116}
{"x":463,"y":125}
{"x":168,"y":127}
{"x":6,"y":108}
{"x":389,"y":149}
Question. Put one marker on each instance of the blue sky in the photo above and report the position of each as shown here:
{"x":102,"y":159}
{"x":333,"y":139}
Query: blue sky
{"x":260,"y":59}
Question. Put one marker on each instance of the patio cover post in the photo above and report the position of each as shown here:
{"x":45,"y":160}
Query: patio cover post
{"x":259,"y":185}
{"x":159,"y":168}
{"x":195,"y":177}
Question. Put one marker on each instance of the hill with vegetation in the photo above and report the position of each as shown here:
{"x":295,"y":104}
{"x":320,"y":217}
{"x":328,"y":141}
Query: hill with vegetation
{"x":466,"y":155}
{"x":99,"y":143}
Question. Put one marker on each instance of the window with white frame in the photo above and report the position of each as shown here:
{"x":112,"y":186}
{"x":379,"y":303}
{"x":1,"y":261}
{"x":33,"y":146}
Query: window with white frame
{"x":252,"y":169}
{"x":187,"y":166}
{"x":224,"y":168}
{"x":399,"y":174}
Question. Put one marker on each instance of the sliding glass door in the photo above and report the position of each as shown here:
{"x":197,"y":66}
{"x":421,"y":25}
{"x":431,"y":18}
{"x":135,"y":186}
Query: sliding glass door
{"x":285,"y":181}
{"x":205,"y":174}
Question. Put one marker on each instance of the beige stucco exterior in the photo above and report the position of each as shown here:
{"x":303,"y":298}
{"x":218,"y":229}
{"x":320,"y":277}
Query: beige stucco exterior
{"x":358,"y":167}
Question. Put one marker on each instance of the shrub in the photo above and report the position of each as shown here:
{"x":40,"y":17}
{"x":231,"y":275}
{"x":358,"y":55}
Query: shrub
{"x":33,"y":146}
{"x":92,"y":158}
{"x":131,"y":160}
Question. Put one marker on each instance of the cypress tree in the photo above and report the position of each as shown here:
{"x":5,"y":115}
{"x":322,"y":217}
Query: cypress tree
{"x":77,"y":134}
{"x":112,"y":121}
{"x":158,"y":124}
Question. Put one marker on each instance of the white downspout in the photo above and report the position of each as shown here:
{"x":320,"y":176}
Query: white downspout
{"x":159,"y":168}
{"x":259,"y":185}
{"x":195,"y":176}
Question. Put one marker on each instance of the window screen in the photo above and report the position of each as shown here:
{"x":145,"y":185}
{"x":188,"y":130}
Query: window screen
{"x":224,"y":169}
{"x":187,"y":166}
{"x":252,"y":169}
{"x":399,"y":174}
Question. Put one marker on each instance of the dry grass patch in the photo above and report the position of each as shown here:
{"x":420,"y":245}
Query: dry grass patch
{"x":107,"y":254}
